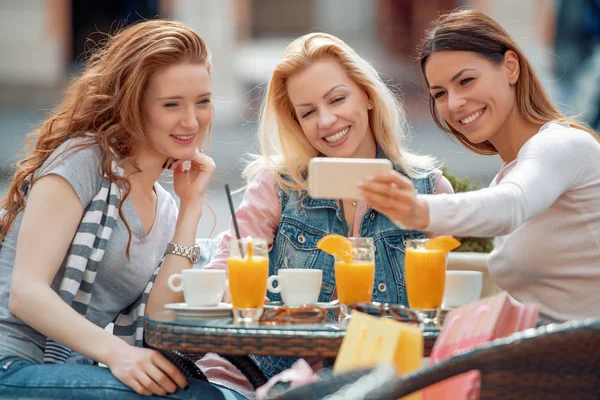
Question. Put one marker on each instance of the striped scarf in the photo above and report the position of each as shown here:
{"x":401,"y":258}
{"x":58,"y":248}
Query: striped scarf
{"x":84,"y":256}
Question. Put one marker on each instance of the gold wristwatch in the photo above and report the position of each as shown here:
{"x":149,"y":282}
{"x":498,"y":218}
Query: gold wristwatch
{"x":192,"y":253}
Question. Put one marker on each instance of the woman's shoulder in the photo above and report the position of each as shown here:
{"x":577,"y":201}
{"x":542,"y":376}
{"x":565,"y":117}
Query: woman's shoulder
{"x":78,"y":161}
{"x":263,"y":187}
{"x":266,"y":178}
{"x":561,"y":136}
{"x":442,"y":184}
{"x":87,"y":145}
{"x":77,"y":151}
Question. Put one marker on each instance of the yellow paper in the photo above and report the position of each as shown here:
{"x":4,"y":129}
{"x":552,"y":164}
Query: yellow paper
{"x":371,"y":341}
{"x":401,"y":344}
{"x":351,"y":351}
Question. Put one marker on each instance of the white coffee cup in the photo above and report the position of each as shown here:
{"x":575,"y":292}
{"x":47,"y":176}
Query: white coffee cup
{"x":298,"y":286}
{"x":462,"y":287}
{"x":201,"y":287}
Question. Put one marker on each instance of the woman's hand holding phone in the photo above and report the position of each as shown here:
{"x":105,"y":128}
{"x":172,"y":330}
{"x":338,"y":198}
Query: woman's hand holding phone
{"x":394,"y":196}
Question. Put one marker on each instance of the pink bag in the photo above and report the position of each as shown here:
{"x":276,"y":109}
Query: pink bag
{"x":470,"y":326}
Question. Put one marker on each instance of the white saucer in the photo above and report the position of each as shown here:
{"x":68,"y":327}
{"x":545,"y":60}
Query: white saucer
{"x":327,"y":306}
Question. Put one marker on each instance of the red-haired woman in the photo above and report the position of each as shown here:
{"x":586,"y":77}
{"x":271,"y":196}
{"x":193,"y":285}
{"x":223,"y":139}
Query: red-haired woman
{"x":86,"y":223}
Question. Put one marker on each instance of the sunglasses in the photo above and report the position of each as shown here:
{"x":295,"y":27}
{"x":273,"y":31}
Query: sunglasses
{"x":296,"y":315}
{"x":396,"y":312}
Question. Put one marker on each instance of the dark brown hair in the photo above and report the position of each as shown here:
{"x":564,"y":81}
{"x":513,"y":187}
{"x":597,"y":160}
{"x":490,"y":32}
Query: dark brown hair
{"x":473,"y":31}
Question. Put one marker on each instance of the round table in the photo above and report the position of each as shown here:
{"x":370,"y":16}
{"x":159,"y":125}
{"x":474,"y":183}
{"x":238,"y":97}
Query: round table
{"x":164,"y":330}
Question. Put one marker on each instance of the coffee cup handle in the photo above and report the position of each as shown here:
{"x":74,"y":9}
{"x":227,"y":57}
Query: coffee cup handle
{"x":172,"y":286}
{"x":270,"y":287}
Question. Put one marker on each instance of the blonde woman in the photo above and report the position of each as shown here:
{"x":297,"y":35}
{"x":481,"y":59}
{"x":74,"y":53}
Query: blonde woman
{"x":544,"y":204}
{"x":323,"y":99}
{"x":86,"y":224}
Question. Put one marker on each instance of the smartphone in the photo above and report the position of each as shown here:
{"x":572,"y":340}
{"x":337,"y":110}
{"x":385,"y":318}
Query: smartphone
{"x":337,"y":178}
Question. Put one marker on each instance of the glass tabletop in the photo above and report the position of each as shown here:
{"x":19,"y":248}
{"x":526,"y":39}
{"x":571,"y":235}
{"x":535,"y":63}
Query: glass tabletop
{"x":171,"y":318}
{"x":168,"y":317}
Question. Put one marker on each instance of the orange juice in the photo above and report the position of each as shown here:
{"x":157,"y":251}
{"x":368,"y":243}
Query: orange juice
{"x":248,"y":281}
{"x":354,"y":281}
{"x":425,"y":275}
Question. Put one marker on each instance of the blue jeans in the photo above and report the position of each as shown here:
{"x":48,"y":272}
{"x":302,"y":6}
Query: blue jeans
{"x":21,"y":379}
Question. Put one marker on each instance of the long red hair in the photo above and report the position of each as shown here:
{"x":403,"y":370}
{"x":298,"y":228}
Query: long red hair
{"x":104,"y":102}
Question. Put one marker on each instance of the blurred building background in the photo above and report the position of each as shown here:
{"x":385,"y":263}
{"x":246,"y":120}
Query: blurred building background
{"x":43,"y":44}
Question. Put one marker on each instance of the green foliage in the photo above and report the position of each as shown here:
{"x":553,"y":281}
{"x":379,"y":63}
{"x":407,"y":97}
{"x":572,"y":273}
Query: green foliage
{"x":478,"y":245}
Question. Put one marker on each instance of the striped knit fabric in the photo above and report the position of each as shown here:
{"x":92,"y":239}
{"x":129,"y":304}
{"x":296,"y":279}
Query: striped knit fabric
{"x":84,"y":256}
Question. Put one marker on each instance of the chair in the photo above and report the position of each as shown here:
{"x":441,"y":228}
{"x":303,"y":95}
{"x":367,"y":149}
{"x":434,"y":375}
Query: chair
{"x":360,"y":382}
{"x":558,"y":361}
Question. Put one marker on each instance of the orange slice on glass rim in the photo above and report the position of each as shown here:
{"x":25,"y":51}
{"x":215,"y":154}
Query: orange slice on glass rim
{"x":442,"y":243}
{"x":338,"y":246}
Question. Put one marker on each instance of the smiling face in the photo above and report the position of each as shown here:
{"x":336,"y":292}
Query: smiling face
{"x":176,"y":111}
{"x":472,"y":94}
{"x":333,"y":111}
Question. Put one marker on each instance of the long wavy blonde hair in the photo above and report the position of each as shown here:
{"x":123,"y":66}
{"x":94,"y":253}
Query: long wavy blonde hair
{"x":104,"y":102}
{"x":285,"y":151}
{"x":473,"y":31}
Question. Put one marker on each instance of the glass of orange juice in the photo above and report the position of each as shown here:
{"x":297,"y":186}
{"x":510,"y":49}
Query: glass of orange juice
{"x":248,"y":270}
{"x":425,"y":275}
{"x":355,"y":278}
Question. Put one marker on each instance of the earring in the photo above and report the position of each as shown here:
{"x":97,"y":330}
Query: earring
{"x":370,"y":106}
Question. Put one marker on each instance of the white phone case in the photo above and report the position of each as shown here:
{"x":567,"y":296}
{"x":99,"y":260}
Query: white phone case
{"x":337,"y":178}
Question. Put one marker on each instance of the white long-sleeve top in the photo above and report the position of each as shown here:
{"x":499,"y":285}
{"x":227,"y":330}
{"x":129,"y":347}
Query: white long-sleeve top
{"x":544,"y":209}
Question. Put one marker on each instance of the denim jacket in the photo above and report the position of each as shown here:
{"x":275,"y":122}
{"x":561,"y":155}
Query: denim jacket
{"x":306,"y":220}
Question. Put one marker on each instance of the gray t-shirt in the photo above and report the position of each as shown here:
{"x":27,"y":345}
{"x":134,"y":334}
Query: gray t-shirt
{"x":119,"y":282}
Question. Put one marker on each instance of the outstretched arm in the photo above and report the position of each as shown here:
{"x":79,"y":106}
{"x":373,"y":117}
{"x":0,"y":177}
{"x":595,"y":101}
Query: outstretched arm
{"x":547,"y":166}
